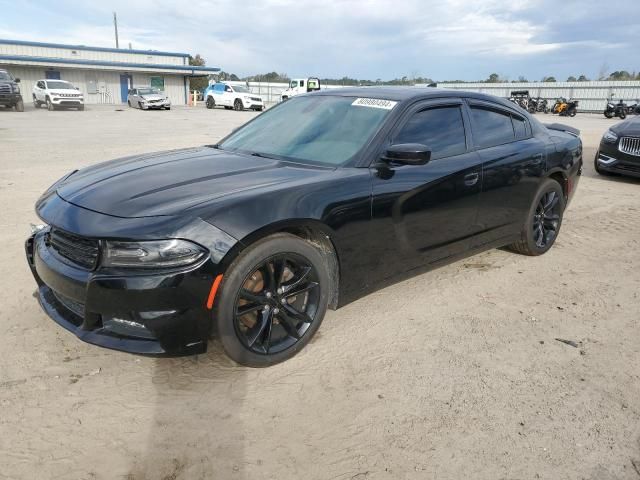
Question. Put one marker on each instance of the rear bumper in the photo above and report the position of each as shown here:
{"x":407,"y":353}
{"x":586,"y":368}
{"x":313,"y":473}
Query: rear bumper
{"x":160,"y":314}
{"x":610,"y":159}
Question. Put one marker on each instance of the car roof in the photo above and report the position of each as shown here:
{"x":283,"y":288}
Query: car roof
{"x":401,"y":94}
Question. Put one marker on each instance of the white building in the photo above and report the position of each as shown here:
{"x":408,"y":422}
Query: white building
{"x":103,"y":74}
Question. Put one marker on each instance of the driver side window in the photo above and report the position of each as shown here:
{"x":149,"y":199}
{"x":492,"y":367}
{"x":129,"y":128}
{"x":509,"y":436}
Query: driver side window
{"x":439,"y":128}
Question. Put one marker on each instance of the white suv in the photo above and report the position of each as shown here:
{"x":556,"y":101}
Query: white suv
{"x":56,"y":94}
{"x":232,"y":96}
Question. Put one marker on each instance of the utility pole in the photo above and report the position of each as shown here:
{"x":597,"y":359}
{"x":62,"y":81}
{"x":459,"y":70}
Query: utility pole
{"x":115,"y":26}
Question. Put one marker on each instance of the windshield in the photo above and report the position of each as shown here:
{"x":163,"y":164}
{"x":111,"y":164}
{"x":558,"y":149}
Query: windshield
{"x":59,"y":85}
{"x":324,"y":130}
{"x":148,"y":91}
{"x":241,"y":89}
{"x":5,"y":76}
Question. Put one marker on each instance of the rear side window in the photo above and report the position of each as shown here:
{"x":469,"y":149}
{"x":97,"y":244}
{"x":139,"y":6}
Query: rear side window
{"x":491,"y":127}
{"x":441,"y":129}
{"x":520,"y":127}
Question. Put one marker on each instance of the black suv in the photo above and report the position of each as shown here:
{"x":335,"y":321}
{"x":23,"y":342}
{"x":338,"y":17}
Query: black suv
{"x":10,"y":92}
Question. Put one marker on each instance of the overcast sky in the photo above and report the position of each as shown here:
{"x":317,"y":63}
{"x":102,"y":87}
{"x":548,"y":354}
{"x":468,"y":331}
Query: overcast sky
{"x":446,"y":39}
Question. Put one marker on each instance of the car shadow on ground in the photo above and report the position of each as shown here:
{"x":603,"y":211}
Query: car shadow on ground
{"x":197,"y":429}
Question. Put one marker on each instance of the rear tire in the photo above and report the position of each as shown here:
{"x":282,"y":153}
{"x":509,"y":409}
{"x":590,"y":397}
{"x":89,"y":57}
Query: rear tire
{"x":211,"y":103}
{"x":277,"y":322}
{"x":129,"y":103}
{"x":623,"y":115}
{"x":543,"y":222}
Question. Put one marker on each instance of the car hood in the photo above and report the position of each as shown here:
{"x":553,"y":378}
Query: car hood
{"x":169,"y":183}
{"x":628,"y":127}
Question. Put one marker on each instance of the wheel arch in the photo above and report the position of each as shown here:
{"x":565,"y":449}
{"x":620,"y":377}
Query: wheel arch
{"x":313,"y":231}
{"x":562,"y":178}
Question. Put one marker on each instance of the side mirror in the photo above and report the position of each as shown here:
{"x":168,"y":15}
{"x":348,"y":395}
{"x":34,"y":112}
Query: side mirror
{"x":17,"y":80}
{"x":407,"y":154}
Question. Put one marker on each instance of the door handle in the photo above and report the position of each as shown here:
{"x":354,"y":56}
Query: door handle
{"x":471,"y":179}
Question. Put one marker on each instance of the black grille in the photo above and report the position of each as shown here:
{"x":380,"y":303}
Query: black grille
{"x":80,"y":250}
{"x":6,"y":88}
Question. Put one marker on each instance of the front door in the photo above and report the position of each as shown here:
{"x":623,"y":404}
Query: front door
{"x":425,"y":213}
{"x":126,"y":82}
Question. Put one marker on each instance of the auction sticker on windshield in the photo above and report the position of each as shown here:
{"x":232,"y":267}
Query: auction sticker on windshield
{"x":374,"y":103}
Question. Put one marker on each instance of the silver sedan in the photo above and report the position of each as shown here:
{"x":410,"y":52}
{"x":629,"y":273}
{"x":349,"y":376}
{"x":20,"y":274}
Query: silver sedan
{"x":147,"y":98}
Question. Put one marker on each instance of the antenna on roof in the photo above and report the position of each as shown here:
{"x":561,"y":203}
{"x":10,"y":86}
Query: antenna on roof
{"x":115,"y":26}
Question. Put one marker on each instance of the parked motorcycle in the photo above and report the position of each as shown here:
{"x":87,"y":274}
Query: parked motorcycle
{"x":634,"y":108}
{"x":615,"y":109}
{"x":538,"y":105}
{"x":565,"y":108}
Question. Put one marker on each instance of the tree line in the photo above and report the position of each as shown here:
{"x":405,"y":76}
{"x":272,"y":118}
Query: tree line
{"x":413,"y":79}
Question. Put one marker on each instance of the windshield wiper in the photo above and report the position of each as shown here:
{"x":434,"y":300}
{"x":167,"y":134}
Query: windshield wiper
{"x":262,"y":155}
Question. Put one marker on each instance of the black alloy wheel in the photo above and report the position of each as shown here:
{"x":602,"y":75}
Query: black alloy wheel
{"x":546,"y":221}
{"x":272,"y":300}
{"x":277,"y":304}
{"x":237,"y":105}
{"x":542,"y":225}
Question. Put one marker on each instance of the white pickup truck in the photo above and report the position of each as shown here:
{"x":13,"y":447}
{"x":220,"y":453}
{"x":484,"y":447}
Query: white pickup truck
{"x":57,"y":94}
{"x":298,"y":86}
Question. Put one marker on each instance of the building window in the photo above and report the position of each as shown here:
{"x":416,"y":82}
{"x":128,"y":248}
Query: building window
{"x":157,"y":82}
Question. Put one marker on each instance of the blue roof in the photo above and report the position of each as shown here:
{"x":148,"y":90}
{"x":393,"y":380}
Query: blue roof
{"x":84,"y":47}
{"x":124,"y":65}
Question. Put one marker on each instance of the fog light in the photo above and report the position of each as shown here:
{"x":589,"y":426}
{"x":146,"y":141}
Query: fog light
{"x":606,"y":160}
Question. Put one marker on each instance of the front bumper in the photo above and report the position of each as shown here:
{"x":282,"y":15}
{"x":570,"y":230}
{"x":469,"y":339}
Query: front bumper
{"x":252,"y":104}
{"x":67,"y":101}
{"x":159,"y":314}
{"x":10,"y":99}
{"x":155,"y":105}
{"x":610,"y":159}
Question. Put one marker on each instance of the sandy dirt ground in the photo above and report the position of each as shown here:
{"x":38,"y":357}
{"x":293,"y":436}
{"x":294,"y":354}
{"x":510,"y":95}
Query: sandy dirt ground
{"x":452,"y":374}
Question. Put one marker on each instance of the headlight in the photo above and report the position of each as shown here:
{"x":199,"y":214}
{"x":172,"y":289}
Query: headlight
{"x":157,"y":253}
{"x":16,"y":89}
{"x":610,"y":137}
{"x":247,"y":97}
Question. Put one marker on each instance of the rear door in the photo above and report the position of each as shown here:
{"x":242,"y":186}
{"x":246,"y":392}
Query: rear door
{"x":424,"y":213}
{"x":513,"y":162}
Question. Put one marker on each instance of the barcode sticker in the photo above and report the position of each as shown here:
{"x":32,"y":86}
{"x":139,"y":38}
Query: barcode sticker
{"x":374,"y":103}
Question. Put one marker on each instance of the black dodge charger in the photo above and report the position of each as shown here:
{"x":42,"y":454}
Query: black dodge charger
{"x":619,"y":150}
{"x":311,"y":205}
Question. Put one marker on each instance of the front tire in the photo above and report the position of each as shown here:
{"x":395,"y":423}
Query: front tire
{"x":542,"y":225}
{"x":623,"y":115}
{"x":20,"y":106}
{"x":50,"y":105}
{"x":608,"y":114}
{"x":237,"y":105}
{"x":272,"y":300}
